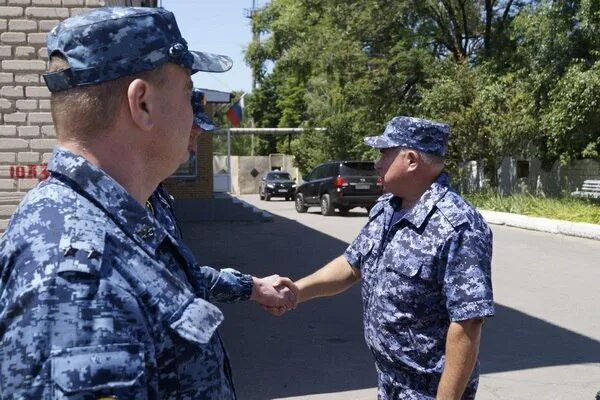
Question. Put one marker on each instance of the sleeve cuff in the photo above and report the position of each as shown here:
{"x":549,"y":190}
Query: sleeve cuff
{"x":352,"y":258}
{"x":476,"y":309}
{"x":247,"y":285}
{"x":232,"y":286}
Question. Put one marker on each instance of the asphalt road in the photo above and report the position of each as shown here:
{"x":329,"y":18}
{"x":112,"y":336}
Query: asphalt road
{"x":543,"y":343}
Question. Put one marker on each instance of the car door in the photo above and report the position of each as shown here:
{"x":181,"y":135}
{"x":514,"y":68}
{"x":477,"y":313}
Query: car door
{"x":312,"y":186}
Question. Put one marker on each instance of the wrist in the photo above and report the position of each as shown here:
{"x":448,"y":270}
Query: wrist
{"x":255,"y":294}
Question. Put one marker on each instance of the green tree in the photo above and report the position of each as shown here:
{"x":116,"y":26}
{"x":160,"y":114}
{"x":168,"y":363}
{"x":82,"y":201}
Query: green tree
{"x":511,"y":77}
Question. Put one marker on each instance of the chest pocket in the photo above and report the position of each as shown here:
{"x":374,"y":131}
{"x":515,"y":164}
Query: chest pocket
{"x":415,"y":264}
{"x":407,"y":269}
{"x":95,"y":371}
{"x":415,"y":270}
{"x":198,"y":322}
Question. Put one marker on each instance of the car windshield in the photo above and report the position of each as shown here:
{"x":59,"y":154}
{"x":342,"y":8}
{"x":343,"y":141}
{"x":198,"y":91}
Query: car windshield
{"x":358,"y":169}
{"x":279,"y":176}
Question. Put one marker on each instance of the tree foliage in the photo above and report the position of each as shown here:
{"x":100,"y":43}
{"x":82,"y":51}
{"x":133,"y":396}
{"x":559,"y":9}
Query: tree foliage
{"x":510,"y":76}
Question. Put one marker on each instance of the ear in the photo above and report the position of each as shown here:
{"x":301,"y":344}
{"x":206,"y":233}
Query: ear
{"x":412,"y":159}
{"x":140,"y":104}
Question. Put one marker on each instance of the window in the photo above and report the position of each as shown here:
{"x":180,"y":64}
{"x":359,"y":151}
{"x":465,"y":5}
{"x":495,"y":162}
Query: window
{"x":332,"y":170}
{"x":318,"y":173}
{"x":522,"y":169}
{"x":279,"y":176}
{"x":358,"y":169}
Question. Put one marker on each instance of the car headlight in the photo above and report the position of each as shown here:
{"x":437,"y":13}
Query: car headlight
{"x":294,"y":186}
{"x":270,"y":186}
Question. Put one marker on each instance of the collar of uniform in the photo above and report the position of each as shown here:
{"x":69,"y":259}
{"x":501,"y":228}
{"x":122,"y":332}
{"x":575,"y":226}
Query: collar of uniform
{"x":419,"y":212}
{"x":133,"y":218}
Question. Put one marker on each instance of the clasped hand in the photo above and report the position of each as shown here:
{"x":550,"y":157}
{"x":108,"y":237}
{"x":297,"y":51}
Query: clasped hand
{"x":275,"y":294}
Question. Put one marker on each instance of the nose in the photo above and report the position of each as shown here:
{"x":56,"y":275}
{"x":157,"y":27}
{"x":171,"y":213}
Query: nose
{"x":195,"y":132}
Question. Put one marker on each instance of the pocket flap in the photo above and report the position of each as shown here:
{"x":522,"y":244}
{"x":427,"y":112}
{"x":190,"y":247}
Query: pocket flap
{"x":406,"y":268}
{"x":95,"y":368}
{"x":198,"y":322}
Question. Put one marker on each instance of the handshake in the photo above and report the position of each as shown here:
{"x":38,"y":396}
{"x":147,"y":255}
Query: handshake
{"x":275,"y":294}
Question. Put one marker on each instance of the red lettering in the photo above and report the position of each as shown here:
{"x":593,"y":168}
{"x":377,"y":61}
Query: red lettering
{"x":12,"y":171}
{"x":32,"y":171}
{"x":44,"y":174}
{"x":20,"y":172}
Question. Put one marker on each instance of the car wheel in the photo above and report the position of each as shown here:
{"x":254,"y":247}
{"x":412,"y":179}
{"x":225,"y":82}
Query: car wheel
{"x":300,"y":207}
{"x":344,"y":210}
{"x":326,"y":206}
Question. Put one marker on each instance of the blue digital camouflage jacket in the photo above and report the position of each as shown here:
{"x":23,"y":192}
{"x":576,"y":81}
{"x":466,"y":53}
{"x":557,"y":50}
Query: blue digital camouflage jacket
{"x":162,"y":204}
{"x":97,"y":298}
{"x":433,"y":266}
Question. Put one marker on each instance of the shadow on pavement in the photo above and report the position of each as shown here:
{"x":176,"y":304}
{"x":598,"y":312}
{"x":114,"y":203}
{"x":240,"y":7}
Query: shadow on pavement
{"x":319,"y":348}
{"x":513,"y":340}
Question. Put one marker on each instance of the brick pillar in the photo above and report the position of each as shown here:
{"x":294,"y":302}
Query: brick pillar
{"x":201,"y":186}
{"x":27,"y":133}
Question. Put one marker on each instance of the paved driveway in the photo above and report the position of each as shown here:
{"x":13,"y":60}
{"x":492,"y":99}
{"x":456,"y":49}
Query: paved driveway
{"x":544,"y":342}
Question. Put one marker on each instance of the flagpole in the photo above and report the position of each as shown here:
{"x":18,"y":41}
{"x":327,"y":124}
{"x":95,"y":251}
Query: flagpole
{"x":229,"y":160}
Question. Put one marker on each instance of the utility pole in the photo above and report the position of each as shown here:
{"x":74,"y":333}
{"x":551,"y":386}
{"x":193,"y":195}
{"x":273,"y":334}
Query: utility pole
{"x":250,"y":13}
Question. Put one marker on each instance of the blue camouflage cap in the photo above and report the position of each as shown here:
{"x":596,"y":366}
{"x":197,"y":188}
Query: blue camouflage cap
{"x":110,"y":42}
{"x":201,"y":120}
{"x":416,"y":133}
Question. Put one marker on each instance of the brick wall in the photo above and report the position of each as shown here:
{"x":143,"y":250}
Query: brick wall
{"x":27,"y":134}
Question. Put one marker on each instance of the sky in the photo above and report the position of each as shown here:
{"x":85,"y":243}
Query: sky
{"x":217,"y":26}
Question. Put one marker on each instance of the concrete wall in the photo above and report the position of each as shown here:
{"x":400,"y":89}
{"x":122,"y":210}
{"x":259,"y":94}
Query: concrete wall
{"x":242,"y":179}
{"x":27,"y":133}
{"x":561,"y":178}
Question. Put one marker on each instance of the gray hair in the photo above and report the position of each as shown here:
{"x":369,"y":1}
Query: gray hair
{"x":429,"y":158}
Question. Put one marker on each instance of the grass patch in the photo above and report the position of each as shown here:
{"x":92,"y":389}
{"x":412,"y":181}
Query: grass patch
{"x":566,"y":208}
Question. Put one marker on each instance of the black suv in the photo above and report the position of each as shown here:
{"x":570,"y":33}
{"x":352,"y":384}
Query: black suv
{"x":276,"y":184}
{"x":340,"y":184}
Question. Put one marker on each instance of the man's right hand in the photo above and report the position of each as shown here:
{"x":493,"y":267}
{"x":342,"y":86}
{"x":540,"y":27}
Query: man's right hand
{"x":275,"y":292}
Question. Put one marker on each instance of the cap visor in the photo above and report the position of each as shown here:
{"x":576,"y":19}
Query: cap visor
{"x":202,"y":121}
{"x":379,"y":142}
{"x":208,"y":62}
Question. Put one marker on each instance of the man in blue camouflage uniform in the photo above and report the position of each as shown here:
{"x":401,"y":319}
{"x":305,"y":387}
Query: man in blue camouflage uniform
{"x":97,"y":298}
{"x":424,"y":259}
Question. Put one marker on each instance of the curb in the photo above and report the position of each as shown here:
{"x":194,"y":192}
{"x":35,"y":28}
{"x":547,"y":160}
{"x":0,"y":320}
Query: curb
{"x":578,"y":229}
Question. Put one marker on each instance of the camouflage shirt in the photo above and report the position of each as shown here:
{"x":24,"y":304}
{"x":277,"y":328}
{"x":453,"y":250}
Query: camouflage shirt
{"x":98,"y":299}
{"x":432,"y":267}
{"x":162,"y":205}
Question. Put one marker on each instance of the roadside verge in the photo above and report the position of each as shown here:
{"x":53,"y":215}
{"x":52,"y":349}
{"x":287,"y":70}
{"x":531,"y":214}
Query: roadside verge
{"x":579,"y":229}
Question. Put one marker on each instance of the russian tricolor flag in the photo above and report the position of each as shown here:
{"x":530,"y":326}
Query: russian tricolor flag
{"x":234,"y":113}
